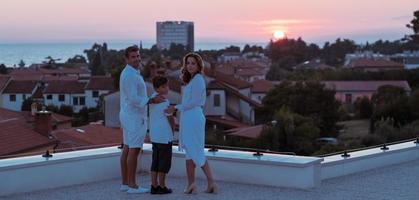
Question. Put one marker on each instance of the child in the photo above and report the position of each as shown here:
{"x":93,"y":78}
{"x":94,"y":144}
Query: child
{"x":161,"y":136}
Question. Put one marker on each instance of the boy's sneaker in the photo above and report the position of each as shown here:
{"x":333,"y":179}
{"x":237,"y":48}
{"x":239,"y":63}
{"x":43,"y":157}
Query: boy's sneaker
{"x":124,"y":188}
{"x":138,"y":190}
{"x":165,"y":190}
{"x":155,"y":190}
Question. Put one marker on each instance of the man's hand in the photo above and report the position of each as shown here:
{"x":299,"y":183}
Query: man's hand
{"x":157,"y":99}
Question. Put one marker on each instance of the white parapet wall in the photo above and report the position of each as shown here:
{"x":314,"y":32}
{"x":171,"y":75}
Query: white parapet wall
{"x":27,"y":174}
{"x":336,"y":166}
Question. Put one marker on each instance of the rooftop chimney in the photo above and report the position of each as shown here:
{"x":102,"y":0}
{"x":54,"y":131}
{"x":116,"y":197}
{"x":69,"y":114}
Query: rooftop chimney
{"x":34,"y":108}
{"x":43,"y":122}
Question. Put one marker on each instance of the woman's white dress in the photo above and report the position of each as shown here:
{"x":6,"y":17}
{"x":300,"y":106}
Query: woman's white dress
{"x":192,"y":120}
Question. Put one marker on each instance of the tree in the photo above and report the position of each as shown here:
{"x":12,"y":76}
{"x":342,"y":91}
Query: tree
{"x":334,"y":53}
{"x":27,"y":104}
{"x":66,"y":110}
{"x":21,"y":63}
{"x":77,"y":59}
{"x":232,"y":48}
{"x":309,"y":99}
{"x":414,"y":26}
{"x":414,"y":104}
{"x":364,"y":107}
{"x":176,"y":51}
{"x":3,"y":69}
{"x":96,"y":67}
{"x":291,"y":132}
{"x":391,"y":102}
{"x":51,"y":62}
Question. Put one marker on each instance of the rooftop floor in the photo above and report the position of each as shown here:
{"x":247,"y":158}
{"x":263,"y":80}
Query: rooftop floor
{"x":392,"y":183}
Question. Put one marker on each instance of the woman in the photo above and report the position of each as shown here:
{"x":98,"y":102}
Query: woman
{"x":192,"y":121}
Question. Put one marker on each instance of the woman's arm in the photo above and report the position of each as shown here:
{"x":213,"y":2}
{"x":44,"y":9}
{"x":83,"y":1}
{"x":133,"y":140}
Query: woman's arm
{"x":197,"y":97}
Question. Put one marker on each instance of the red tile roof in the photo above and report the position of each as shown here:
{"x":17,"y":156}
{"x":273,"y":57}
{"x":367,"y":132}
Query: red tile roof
{"x":92,"y":135}
{"x":364,"y":85}
{"x":100,"y":83}
{"x":20,"y":87}
{"x":6,"y":114}
{"x":225,"y":121}
{"x":48,"y":78}
{"x":17,"y":135}
{"x":378,"y":63}
{"x":230,"y":80}
{"x":215,"y":85}
{"x":262,"y":86}
{"x":38,"y":94}
{"x":39,"y":73}
{"x":3,"y":81}
{"x":241,"y":96}
{"x":64,"y":87}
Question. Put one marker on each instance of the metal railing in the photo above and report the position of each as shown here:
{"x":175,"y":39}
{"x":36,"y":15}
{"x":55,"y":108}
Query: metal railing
{"x":214,"y":148}
{"x":383,"y":147}
{"x":210,"y":147}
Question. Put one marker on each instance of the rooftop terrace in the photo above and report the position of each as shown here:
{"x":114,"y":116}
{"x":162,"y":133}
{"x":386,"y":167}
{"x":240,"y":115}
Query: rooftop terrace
{"x":393,"y":182}
{"x":94,"y":174}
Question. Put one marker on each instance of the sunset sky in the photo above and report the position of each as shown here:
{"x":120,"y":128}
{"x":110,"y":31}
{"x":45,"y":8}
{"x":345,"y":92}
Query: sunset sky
{"x":215,"y":20}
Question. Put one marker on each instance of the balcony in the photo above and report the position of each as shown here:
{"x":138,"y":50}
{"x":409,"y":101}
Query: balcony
{"x":94,"y":174}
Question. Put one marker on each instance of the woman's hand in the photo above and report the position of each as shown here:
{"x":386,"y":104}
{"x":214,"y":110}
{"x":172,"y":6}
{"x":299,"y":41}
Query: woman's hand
{"x":170,"y":110}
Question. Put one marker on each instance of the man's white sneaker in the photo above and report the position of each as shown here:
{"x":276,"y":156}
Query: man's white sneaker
{"x":124,"y":188}
{"x":138,"y":190}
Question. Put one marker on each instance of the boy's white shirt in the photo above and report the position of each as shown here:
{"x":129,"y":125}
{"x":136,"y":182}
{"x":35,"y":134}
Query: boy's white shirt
{"x":160,"y":129}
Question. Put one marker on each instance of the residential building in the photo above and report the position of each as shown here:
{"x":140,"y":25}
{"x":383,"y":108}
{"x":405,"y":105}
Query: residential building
{"x":4,"y":80}
{"x":374,"y":65}
{"x":70,"y":93}
{"x":16,"y":92}
{"x":315,"y":64}
{"x":260,"y":88}
{"x":229,"y":56}
{"x":246,"y":70}
{"x":349,"y":91}
{"x":96,"y":87}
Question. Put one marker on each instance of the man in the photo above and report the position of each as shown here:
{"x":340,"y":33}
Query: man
{"x":132,"y":115}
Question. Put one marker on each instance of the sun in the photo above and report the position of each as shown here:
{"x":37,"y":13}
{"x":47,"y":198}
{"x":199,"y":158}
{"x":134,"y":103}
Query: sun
{"x":278,"y":35}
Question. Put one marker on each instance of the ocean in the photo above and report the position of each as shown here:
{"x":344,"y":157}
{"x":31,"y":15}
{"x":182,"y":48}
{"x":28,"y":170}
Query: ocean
{"x":30,"y":53}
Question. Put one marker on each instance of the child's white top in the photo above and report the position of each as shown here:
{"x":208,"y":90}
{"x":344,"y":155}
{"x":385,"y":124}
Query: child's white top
{"x":160,"y":130}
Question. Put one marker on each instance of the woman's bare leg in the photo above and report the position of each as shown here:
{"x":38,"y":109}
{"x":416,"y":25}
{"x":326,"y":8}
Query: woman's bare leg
{"x":190,"y":171}
{"x":207,"y":171}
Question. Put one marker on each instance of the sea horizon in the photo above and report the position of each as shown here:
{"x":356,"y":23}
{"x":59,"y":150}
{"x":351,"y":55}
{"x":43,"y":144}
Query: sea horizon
{"x":35,"y":52}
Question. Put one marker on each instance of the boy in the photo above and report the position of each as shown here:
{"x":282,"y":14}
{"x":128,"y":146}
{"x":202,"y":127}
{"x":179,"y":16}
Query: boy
{"x":161,"y":136}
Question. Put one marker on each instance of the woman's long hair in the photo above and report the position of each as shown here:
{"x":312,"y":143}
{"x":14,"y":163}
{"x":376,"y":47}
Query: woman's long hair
{"x":186,"y":76}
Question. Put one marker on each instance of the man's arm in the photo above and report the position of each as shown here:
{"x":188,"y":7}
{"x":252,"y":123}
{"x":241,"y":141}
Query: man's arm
{"x":130,"y":89}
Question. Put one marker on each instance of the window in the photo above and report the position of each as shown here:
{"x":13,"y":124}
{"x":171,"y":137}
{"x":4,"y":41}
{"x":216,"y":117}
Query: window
{"x":12,"y":97}
{"x":217,"y":100}
{"x":75,"y":101}
{"x":49,"y":97}
{"x":348,"y":98}
{"x":95,"y":94}
{"x":82,"y":101}
{"x":61,"y":97}
{"x":79,"y":101}
{"x":23,"y":96}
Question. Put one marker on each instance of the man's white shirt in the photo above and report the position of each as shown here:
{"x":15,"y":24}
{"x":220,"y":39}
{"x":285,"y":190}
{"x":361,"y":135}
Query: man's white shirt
{"x":133,"y":100}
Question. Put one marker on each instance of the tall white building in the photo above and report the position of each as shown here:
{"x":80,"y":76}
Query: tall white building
{"x":178,"y":32}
